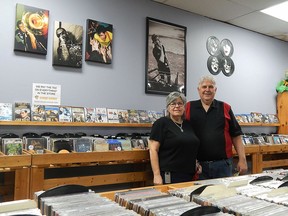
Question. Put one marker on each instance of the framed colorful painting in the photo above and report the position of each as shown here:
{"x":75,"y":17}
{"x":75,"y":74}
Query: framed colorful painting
{"x":99,"y":37}
{"x":31,"y":29}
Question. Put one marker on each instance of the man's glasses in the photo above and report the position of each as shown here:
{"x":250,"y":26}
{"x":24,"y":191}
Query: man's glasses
{"x":179,"y":104}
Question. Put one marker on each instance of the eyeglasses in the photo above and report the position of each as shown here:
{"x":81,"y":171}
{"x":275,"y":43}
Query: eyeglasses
{"x":172,"y":105}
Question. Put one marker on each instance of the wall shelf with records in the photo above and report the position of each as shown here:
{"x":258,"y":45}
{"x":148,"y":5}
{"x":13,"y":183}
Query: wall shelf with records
{"x":74,"y":124}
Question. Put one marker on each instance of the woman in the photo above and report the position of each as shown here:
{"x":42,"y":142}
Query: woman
{"x":173,"y":144}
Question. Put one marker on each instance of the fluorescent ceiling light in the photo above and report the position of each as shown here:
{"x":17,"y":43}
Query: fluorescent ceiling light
{"x":279,"y":11}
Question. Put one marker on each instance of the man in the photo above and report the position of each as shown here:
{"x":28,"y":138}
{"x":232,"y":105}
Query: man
{"x":24,"y":39}
{"x":159,"y":54}
{"x":216,"y":127}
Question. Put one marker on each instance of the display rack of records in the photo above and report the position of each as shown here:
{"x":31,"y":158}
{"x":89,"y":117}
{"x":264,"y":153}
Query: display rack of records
{"x":257,"y":119}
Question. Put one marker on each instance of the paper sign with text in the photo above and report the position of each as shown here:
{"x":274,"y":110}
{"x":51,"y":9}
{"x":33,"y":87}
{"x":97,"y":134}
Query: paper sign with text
{"x":46,"y":94}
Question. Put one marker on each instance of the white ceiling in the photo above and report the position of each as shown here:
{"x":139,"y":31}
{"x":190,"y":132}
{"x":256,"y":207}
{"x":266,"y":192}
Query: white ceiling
{"x":242,"y":13}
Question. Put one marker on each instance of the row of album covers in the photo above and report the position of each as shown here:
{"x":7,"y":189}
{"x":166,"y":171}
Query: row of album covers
{"x":23,"y":111}
{"x":12,"y":144}
{"x":255,"y":194}
{"x":257,"y":117}
{"x":264,"y":139}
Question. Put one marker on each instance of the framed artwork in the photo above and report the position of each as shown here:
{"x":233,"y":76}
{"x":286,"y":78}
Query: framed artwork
{"x":99,"y":37}
{"x":165,"y":57}
{"x":31,"y":29}
{"x":67,"y":45}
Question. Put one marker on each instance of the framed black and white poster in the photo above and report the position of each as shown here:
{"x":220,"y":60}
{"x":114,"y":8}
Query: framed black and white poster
{"x":165,"y":57}
{"x":67,"y":45}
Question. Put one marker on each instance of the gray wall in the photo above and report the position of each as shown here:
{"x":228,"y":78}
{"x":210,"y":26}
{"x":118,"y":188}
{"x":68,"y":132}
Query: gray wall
{"x":260,"y":61}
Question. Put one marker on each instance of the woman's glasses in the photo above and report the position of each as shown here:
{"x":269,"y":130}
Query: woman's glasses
{"x":179,"y":104}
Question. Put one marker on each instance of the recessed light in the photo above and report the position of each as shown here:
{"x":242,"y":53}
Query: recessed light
{"x":279,"y":11}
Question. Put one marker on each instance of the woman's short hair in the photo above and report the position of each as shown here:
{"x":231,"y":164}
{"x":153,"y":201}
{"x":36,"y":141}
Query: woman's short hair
{"x":173,"y":96}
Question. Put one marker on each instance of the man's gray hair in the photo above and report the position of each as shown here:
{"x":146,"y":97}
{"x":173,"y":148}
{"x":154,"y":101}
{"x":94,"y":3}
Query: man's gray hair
{"x":207,"y":78}
{"x":173,"y":96}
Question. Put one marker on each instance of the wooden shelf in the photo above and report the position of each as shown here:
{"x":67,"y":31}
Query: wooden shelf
{"x":282,"y":148}
{"x":74,"y":124}
{"x":15,"y":161}
{"x":259,"y":124}
{"x":20,"y":164}
{"x":90,"y":157}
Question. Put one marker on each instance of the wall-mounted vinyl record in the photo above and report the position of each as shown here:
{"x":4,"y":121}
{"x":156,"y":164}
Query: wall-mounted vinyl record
{"x":227,"y":66}
{"x":214,"y":65}
{"x":226,"y":47}
{"x":213,"y":46}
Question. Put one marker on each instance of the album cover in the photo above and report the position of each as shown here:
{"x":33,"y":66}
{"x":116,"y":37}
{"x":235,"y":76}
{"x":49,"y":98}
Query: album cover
{"x":12,"y":146}
{"x":239,"y":118}
{"x":38,"y":113}
{"x":143,"y":116}
{"x":265,"y":119}
{"x":126,"y":144}
{"x":100,"y":144}
{"x":112,"y":115}
{"x":22,"y":111}
{"x":65,"y":114}
{"x":34,"y":145}
{"x":259,"y":140}
{"x":138,"y":143}
{"x":52,"y":113}
{"x":276,"y":139}
{"x":283,"y":138}
{"x":249,"y":118}
{"x":152,"y":116}
{"x":269,"y":139}
{"x":101,"y":115}
{"x":83,"y":144}
{"x":123,"y":115}
{"x":114,"y":145}
{"x":273,"y":119}
{"x":257,"y":117}
{"x":78,"y":114}
{"x":90,"y":114}
{"x":61,"y":145}
{"x":245,"y":118}
{"x":6,"y":112}
{"x":133,"y":116}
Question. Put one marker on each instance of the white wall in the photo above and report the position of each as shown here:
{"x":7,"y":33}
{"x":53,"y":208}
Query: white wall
{"x":260,"y":61}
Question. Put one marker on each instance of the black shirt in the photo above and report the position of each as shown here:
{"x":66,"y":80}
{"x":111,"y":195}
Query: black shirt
{"x":178,"y":150}
{"x":215,"y":129}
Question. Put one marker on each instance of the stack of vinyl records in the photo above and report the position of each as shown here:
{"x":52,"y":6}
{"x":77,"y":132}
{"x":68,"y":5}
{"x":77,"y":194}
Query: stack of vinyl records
{"x":86,"y":203}
{"x":153,"y":202}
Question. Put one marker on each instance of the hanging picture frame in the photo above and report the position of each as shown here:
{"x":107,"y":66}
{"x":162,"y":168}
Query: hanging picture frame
{"x":67,"y":44}
{"x":31,"y":29}
{"x":165,"y":57}
{"x":99,"y":37}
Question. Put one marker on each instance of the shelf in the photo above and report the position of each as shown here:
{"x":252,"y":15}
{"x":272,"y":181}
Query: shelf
{"x":280,"y":148}
{"x":260,"y":124}
{"x":90,"y":157}
{"x":74,"y":124}
{"x":15,"y":161}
